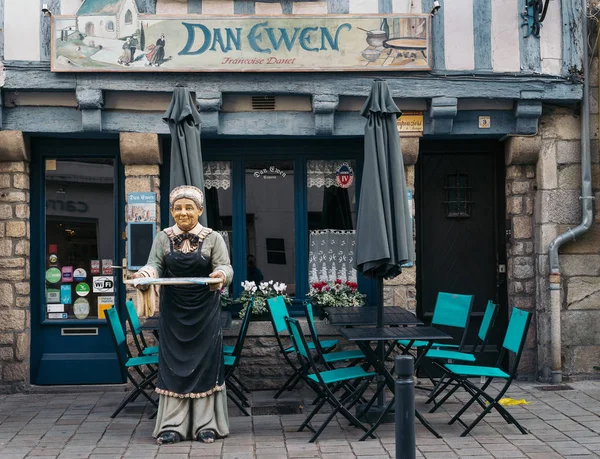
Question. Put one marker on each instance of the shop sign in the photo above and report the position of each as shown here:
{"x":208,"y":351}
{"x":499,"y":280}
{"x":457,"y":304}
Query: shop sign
{"x":344,"y":176}
{"x":82,"y":289}
{"x":107,"y":265}
{"x":104,"y":303}
{"x":65,"y":294}
{"x":52,"y":296}
{"x":87,"y":42}
{"x":81,"y":308}
{"x":53,"y":275}
{"x":79,"y":274}
{"x":67,"y":273}
{"x":103,"y":284}
{"x":410,"y":124}
{"x":57,"y":315}
{"x":95,"y":266}
{"x":55,"y":308}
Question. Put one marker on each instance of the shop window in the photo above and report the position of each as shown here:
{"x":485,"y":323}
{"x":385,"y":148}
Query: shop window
{"x":275,"y":251}
{"x":110,"y":26}
{"x":79,"y":238}
{"x":331,"y":193}
{"x":270,"y":221}
{"x":458,"y":195}
{"x":128,"y":17}
{"x":218,"y":200}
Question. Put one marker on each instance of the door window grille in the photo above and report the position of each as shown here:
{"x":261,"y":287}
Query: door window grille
{"x":458,"y":195}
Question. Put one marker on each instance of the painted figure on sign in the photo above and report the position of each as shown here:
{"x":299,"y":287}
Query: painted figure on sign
{"x":126,"y":57}
{"x":191,"y":385}
{"x":156,"y":56}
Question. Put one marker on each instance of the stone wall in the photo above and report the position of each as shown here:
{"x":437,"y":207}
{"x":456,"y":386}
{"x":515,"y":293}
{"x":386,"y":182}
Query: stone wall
{"x":14,"y":275}
{"x":520,"y":194}
{"x":402,"y":290}
{"x":558,"y":208}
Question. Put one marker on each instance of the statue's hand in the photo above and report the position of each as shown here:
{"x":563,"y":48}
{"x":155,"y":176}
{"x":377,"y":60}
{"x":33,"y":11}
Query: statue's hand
{"x":139,"y":275}
{"x":220,"y":275}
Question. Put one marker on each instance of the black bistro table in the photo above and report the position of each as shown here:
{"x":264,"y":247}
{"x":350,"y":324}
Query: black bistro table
{"x":152,"y":323}
{"x":367,"y":315}
{"x":363,"y":336}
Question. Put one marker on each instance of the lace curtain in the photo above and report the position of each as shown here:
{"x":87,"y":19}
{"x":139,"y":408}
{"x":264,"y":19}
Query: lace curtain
{"x":322,"y":173}
{"x":217,"y":174}
{"x":331,"y":255}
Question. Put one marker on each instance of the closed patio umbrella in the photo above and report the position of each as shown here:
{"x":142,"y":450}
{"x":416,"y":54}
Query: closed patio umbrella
{"x":186,"y":155}
{"x":384,"y":239}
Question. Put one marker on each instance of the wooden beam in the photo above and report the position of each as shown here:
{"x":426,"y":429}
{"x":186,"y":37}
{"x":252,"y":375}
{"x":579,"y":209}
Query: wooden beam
{"x":45,"y":32}
{"x":573,"y":44}
{"x":482,"y":32}
{"x":437,"y":34}
{"x":529,"y":48}
{"x":34,"y":76}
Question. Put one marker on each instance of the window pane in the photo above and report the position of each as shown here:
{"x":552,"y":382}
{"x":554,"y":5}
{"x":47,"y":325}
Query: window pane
{"x":331,"y":192}
{"x":270,"y":222}
{"x":218,"y":201}
{"x":80,"y":238}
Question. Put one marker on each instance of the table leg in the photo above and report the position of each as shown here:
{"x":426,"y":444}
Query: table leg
{"x":381,"y":369}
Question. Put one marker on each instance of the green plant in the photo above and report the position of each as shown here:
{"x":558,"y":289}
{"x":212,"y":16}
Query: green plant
{"x":337,"y":294}
{"x":260,"y":293}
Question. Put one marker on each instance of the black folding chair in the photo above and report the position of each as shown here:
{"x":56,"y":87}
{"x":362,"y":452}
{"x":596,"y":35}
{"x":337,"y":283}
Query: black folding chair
{"x":127,"y":362}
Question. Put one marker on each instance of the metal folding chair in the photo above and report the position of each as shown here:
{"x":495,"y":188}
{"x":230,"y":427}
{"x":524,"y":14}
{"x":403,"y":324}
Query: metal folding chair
{"x":136,"y":331}
{"x":279,"y":312}
{"x":232,"y":361}
{"x":321,"y":381}
{"x":514,"y":341}
{"x":127,"y":362}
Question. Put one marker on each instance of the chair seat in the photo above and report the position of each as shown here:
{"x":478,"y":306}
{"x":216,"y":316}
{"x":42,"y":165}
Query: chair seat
{"x":343,"y":355}
{"x":419,"y":344}
{"x":342,"y":374}
{"x":476,"y":370}
{"x":150,"y":350}
{"x":450,"y":355}
{"x":229,"y":360}
{"x":228,"y":350}
{"x":325,"y":344}
{"x":144,"y":360}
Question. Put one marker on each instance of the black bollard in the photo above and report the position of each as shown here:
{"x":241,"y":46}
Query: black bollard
{"x":405,"y":408}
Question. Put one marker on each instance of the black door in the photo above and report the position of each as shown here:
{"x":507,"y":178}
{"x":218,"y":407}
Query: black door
{"x":460,"y":229}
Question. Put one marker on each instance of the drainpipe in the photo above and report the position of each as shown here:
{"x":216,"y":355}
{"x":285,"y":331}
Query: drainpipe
{"x":586,"y":210}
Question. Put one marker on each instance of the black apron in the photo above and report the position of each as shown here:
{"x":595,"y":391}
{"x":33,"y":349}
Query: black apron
{"x":191,"y":349}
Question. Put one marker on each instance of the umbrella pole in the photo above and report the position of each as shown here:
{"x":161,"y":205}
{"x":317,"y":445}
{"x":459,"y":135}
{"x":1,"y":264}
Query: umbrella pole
{"x":380,"y":347}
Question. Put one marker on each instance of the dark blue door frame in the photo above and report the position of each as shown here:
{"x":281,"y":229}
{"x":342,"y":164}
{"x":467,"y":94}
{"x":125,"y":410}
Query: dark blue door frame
{"x":50,"y":352}
{"x":238,"y":157}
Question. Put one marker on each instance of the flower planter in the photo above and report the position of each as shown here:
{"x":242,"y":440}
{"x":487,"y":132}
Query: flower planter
{"x":318,"y":311}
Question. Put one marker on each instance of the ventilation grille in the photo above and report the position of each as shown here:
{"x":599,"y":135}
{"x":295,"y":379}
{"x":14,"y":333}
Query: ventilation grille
{"x":263,"y":103}
{"x":276,"y":410}
{"x":555,"y":388}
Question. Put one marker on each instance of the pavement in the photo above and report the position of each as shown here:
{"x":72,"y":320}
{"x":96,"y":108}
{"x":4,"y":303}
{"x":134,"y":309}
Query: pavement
{"x":67,"y":425}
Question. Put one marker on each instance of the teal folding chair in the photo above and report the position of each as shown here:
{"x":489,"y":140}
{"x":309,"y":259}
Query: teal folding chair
{"x":451,"y":356}
{"x":329,"y":358}
{"x":279,"y":313}
{"x":321,"y":381}
{"x":127,"y":363}
{"x":235,"y":393}
{"x":514,"y":341}
{"x":451,"y":311}
{"x":136,"y":331}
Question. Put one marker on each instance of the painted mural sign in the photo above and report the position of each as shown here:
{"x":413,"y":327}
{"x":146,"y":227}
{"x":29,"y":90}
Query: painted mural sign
{"x":110,"y":35}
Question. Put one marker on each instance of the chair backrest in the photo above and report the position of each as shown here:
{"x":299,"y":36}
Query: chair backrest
{"x":118,"y":335}
{"x":239,"y":344}
{"x":302,"y":350}
{"x":134,"y":320}
{"x":278,"y":313}
{"x":518,"y":325}
{"x":310,"y":320}
{"x":452,"y":310}
{"x":488,"y":319}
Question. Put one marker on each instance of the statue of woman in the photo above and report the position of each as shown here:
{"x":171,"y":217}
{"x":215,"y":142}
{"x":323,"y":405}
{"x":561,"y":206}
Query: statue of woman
{"x":191,"y":386}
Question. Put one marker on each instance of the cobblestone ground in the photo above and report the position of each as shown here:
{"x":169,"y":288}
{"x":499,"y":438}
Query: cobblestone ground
{"x":77,"y":425}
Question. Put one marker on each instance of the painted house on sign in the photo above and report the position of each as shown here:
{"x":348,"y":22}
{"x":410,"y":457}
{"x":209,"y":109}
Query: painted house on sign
{"x":108,"y":18}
